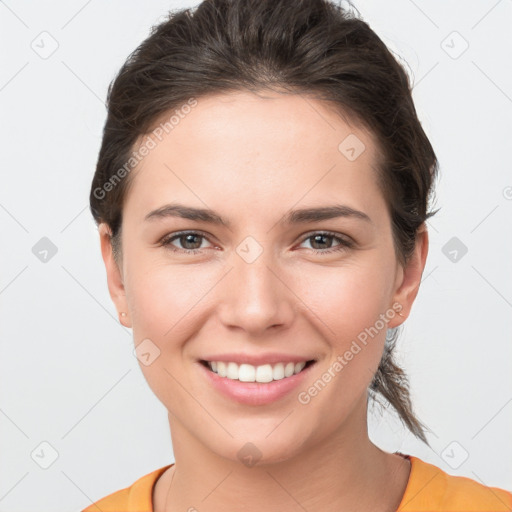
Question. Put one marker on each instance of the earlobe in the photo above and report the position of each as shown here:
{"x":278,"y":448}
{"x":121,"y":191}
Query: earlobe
{"x":409,"y":278}
{"x":114,"y":275}
{"x":124,"y":320}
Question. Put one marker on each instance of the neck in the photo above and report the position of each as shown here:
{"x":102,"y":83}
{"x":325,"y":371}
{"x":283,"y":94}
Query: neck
{"x":344,"y":471}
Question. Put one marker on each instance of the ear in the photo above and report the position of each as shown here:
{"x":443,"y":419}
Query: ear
{"x":409,"y":278}
{"x":114,"y":275}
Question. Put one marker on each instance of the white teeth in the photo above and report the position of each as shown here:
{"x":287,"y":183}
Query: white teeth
{"x":299,"y":366}
{"x":249,"y":373}
{"x":264,"y":373}
{"x":221,"y":369}
{"x":289,"y":369}
{"x":246,"y":373}
{"x":278,"y":371}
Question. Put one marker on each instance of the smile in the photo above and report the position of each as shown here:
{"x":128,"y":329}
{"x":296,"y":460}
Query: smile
{"x":250,"y":373}
{"x":227,"y":379}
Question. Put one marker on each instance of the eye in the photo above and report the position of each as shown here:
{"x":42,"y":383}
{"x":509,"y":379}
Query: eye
{"x":319,"y":239}
{"x":190,"y":240}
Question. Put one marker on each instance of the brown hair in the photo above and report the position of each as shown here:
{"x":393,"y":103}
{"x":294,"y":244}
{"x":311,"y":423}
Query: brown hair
{"x":310,"y":47}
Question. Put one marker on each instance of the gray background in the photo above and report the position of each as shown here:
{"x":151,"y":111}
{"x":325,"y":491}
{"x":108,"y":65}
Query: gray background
{"x":68,"y":376}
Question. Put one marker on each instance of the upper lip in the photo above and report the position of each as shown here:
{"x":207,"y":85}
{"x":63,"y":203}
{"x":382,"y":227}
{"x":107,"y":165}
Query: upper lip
{"x":259,"y":359}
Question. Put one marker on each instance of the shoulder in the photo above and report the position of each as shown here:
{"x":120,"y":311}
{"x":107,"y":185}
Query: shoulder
{"x":430,"y":488}
{"x":135,"y":498}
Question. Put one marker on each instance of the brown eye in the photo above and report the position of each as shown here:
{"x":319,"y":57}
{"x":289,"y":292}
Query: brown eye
{"x":190,"y":242}
{"x":322,"y":243}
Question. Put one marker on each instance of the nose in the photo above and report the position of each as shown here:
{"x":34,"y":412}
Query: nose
{"x":256,"y":297}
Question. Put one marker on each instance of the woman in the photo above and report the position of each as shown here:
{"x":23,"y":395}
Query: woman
{"x":262,"y":192}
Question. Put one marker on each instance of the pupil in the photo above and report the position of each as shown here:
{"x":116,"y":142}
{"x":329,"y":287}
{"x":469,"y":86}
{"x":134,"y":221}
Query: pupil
{"x":189,"y":239}
{"x":317,"y":237}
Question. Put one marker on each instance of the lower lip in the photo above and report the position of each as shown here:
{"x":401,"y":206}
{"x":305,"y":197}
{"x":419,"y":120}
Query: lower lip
{"x":255,"y":393}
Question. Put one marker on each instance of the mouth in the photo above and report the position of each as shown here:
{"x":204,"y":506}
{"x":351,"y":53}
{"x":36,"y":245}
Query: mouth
{"x":261,"y":374}
{"x":259,"y":387}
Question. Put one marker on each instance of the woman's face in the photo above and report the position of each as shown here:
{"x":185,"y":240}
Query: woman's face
{"x":266,"y":282}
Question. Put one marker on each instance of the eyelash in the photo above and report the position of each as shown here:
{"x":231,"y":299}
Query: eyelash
{"x":344,"y":244}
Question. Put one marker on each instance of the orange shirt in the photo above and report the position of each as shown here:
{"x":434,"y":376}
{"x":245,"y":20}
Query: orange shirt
{"x":429,"y":489}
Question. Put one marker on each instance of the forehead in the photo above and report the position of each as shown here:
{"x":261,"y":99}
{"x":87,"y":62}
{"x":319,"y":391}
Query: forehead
{"x":254,"y":149}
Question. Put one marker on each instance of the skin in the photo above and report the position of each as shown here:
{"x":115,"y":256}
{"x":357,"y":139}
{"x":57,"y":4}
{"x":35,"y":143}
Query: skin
{"x":252,"y":159}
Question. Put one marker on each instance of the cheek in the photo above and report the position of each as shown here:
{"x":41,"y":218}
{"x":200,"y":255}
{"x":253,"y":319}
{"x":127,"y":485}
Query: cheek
{"x":165,"y":298}
{"x":351,"y":297}
{"x":164,"y":303}
{"x":170,"y":304}
{"x":162,"y":298}
{"x":353,"y":309}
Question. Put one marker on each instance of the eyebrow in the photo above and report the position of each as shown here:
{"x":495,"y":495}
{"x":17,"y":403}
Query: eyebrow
{"x":300,"y":216}
{"x":187,"y":212}
{"x":324,"y":213}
